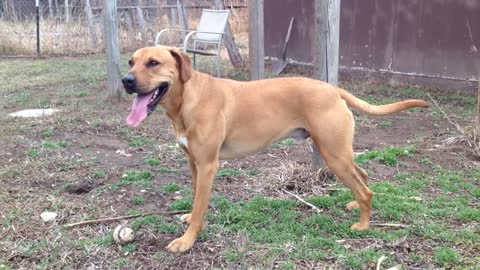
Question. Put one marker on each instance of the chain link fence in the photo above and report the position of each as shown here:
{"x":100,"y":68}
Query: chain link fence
{"x":72,"y":27}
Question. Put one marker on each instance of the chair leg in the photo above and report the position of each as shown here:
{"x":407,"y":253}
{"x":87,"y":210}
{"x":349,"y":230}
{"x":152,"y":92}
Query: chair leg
{"x":219,"y":62}
{"x":194,"y":61}
{"x":219,"y":67}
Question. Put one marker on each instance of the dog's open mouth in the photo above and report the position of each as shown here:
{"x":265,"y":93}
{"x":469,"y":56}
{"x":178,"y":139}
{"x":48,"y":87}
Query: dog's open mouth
{"x":144,"y":104}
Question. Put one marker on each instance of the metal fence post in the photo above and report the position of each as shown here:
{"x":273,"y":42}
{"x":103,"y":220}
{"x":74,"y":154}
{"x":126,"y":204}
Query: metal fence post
{"x":37,"y":7}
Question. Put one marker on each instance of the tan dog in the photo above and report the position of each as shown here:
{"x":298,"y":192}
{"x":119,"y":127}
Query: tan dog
{"x":223,"y":119}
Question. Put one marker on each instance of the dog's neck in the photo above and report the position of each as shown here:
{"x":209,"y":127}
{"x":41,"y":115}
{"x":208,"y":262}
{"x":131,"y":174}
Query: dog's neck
{"x":173,"y":104}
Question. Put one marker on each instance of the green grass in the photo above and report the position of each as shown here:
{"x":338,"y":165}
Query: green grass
{"x":236,"y":172}
{"x":168,"y":170}
{"x":274,"y":223}
{"x":120,"y":263}
{"x":5,"y":265}
{"x":152,"y":161}
{"x":183,"y":160}
{"x":22,"y":98}
{"x":145,"y":221}
{"x":33,"y":153}
{"x":55,"y":145}
{"x":184,"y":203}
{"x":99,"y":174}
{"x":386,"y":123}
{"x":388,"y":155}
{"x":171,"y":187}
{"x":130,"y":247}
{"x":47,"y":133}
{"x":284,"y":143}
{"x":105,"y":240}
{"x":445,"y":256}
{"x":136,"y":178}
{"x":141,"y":141}
{"x":138,"y":200}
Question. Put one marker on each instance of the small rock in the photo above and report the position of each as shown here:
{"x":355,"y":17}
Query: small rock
{"x":178,"y":197}
{"x":33,"y":113}
{"x":48,"y":216}
{"x":123,"y":153}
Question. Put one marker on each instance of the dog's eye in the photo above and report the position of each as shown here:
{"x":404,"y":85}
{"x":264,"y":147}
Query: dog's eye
{"x":130,"y":62}
{"x":152,"y":63}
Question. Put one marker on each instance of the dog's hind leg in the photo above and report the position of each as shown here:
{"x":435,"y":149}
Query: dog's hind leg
{"x":354,"y":204}
{"x":334,"y":137}
{"x":343,"y":167}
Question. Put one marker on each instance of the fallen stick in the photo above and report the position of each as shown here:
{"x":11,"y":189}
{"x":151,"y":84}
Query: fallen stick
{"x":394,"y":225}
{"x":5,"y":233}
{"x":455,"y":124}
{"x":416,"y":198}
{"x":303,"y":201}
{"x":379,"y":262}
{"x":102,"y":220}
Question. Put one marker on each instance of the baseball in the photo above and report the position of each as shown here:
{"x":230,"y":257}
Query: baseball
{"x":123,"y":235}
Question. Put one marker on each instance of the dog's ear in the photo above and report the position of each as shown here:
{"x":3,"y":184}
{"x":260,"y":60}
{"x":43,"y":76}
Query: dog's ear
{"x":184,"y":64}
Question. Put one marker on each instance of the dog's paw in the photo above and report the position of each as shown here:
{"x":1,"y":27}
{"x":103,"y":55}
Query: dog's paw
{"x":359,"y":227}
{"x":181,"y":244}
{"x":352,"y":205}
{"x":186,"y":218}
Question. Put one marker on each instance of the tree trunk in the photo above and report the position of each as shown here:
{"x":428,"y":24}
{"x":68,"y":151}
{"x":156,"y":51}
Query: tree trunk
{"x":67,"y":12}
{"x":327,"y":28}
{"x":478,"y":97}
{"x":229,"y":41}
{"x":173,"y":13}
{"x":182,"y":18}
{"x":50,"y":8}
{"x":256,"y":49}
{"x":91,"y":24}
{"x":141,"y":20}
{"x":112,"y":49}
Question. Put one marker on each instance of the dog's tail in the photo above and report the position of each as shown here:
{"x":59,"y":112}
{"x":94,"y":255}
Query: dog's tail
{"x":380,"y":110}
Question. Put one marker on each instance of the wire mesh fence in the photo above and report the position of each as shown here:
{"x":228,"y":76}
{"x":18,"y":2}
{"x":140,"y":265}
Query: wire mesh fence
{"x":70,"y":27}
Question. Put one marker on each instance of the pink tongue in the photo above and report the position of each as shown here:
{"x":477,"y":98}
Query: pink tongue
{"x":139,"y":110}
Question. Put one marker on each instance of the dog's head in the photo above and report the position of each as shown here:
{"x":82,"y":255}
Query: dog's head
{"x":153,"y":72}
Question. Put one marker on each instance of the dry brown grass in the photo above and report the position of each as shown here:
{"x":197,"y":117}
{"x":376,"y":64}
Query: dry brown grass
{"x":300,"y":178}
{"x":468,"y":135}
{"x":60,"y":38}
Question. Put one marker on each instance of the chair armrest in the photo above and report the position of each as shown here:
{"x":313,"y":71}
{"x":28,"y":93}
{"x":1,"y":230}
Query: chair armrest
{"x":157,"y":37}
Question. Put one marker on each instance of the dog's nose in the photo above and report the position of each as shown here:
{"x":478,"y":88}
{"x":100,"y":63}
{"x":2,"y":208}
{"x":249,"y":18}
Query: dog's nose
{"x":129,"y":82}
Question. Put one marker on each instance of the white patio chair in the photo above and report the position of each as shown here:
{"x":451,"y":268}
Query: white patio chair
{"x":210,"y":31}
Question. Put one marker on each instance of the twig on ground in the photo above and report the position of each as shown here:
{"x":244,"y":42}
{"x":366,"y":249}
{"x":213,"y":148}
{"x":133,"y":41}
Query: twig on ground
{"x":380,"y":260}
{"x":393,"y":225}
{"x":470,"y":137}
{"x":444,"y":114}
{"x":102,"y":220}
{"x":7,"y":231}
{"x":303,"y":201}
{"x":416,"y":198}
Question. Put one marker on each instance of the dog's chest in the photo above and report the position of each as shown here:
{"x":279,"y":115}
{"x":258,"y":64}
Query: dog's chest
{"x":182,"y":141}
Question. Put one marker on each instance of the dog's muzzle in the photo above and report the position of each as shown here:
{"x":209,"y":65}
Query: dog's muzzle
{"x":129,"y":83}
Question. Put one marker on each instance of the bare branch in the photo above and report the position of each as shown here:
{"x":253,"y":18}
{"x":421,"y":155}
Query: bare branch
{"x":110,"y":219}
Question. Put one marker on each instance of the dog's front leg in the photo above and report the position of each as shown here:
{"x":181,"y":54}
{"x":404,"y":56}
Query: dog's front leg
{"x":206,"y":171}
{"x":193,"y":169}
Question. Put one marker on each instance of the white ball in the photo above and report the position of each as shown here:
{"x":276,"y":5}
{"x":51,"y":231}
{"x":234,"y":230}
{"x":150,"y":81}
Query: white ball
{"x":123,"y":235}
